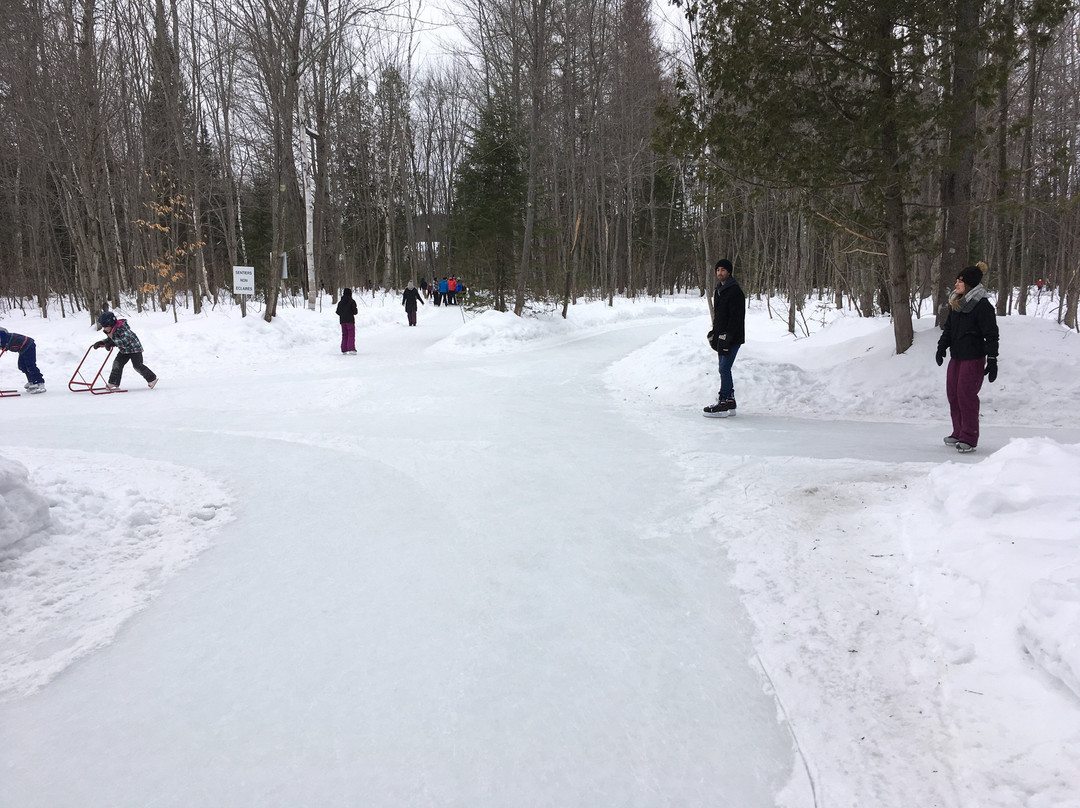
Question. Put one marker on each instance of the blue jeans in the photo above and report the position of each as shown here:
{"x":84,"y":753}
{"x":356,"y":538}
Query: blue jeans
{"x":727,"y":386}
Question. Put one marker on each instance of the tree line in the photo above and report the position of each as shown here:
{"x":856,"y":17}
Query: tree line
{"x":561,"y":148}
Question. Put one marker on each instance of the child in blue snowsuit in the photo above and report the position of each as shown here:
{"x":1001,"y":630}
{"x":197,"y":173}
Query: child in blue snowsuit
{"x":26,"y":348}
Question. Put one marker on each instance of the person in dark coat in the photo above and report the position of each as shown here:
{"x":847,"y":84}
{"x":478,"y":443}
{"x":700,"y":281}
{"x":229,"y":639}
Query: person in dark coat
{"x":970,"y":335}
{"x":26,"y":348}
{"x":727,"y":336}
{"x":409,"y":300}
{"x":119,"y":335}
{"x":346,"y":312}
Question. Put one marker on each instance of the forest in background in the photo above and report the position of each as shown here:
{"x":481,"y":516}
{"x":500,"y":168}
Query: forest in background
{"x":864,"y":150}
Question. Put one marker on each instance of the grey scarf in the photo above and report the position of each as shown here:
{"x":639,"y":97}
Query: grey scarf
{"x":965,"y":303}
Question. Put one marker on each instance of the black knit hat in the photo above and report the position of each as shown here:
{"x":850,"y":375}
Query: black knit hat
{"x":971,"y":276}
{"x":725,"y":263}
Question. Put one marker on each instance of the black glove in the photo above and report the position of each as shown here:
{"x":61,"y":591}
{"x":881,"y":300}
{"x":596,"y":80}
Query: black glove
{"x":991,"y":368}
{"x":939,"y":357}
{"x":100,"y":344}
{"x":714,"y":341}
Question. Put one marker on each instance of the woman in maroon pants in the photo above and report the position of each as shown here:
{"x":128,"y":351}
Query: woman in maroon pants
{"x":971,"y":335}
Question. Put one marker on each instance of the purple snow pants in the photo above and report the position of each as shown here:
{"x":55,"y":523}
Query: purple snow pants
{"x":962,"y":385}
{"x":348,"y":337}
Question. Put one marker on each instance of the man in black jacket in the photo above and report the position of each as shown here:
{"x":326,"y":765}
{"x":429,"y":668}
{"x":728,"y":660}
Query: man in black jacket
{"x":728,"y":333}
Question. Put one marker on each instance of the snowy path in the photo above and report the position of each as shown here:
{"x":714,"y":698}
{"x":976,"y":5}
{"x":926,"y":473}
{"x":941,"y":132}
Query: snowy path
{"x":494,"y":581}
{"x":533,"y":622}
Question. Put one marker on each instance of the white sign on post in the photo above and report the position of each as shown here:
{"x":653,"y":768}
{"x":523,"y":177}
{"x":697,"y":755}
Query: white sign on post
{"x":243,"y":280}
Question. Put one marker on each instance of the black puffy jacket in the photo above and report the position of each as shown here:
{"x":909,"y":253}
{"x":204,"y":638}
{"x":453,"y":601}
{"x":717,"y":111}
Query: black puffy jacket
{"x":346,"y":309}
{"x":729,"y":312}
{"x":971,"y":334}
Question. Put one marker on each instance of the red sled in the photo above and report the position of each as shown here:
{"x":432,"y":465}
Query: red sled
{"x":79,"y":384}
{"x":7,"y":393}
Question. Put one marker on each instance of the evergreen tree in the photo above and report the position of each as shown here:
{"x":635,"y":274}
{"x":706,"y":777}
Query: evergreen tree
{"x":489,"y":200}
{"x":821,"y":95}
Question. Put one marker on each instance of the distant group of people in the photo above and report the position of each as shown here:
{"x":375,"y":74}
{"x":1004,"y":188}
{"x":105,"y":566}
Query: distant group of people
{"x":118,"y":334}
{"x":445,"y":292}
{"x":969,"y":334}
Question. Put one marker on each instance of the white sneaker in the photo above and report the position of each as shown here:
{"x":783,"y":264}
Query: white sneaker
{"x":152,"y":383}
{"x":112,"y":386}
{"x":36,"y":388}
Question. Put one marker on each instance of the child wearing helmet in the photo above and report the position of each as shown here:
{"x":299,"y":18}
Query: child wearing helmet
{"x":119,"y":335}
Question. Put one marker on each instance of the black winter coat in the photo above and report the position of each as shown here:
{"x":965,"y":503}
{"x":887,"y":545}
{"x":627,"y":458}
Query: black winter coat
{"x":971,"y":334}
{"x":729,"y":312}
{"x":410,"y":298}
{"x":346,"y":309}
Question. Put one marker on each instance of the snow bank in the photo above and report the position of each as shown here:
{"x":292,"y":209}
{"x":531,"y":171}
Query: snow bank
{"x":24,"y":513}
{"x":999,"y":585}
{"x":849,"y":370}
{"x":920,"y":624}
{"x":108,"y":532}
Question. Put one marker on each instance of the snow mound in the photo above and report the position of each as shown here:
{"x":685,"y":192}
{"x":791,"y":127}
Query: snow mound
{"x":1027,"y":475}
{"x":87,"y":541}
{"x":24,"y":514}
{"x":1050,"y":626}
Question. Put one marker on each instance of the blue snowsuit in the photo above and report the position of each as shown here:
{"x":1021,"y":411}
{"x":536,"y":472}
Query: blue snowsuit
{"x":26,"y":348}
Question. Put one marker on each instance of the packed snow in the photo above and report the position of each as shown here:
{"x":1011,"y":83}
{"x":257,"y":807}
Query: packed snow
{"x":502,"y":561}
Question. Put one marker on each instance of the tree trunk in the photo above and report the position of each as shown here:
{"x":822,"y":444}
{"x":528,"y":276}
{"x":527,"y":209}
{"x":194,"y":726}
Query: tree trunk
{"x":960,"y":161}
{"x":539,"y":50}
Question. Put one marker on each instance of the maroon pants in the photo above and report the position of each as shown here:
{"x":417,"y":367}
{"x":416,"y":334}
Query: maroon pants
{"x":348,"y":337}
{"x":962,"y":385}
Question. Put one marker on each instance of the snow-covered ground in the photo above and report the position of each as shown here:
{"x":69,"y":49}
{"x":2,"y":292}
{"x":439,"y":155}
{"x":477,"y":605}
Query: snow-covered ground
{"x":493,"y":561}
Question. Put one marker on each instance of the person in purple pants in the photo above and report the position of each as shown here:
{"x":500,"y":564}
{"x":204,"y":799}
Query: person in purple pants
{"x":346,"y":312}
{"x":970,"y":334}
